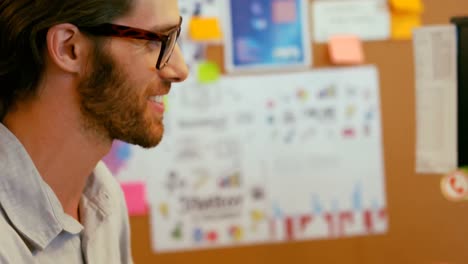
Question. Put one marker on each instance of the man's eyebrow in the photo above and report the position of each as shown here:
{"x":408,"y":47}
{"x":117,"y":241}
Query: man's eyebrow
{"x":164,"y":27}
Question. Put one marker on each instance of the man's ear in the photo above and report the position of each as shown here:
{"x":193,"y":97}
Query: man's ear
{"x":66,"y":47}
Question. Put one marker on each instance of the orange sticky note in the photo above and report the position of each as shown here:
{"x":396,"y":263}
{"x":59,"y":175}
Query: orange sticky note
{"x":409,"y":6}
{"x":346,"y":49}
{"x":205,"y":29}
{"x":403,"y":25}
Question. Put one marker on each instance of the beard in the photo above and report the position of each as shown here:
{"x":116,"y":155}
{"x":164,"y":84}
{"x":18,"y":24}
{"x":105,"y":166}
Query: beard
{"x":113,"y":108}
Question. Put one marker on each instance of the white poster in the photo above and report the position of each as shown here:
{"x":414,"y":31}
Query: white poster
{"x":435,"y":51}
{"x":195,"y":51}
{"x":367,"y":19}
{"x":269,"y":158}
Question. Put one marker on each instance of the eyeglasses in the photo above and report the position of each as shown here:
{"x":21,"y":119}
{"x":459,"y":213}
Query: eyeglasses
{"x":168,"y":39}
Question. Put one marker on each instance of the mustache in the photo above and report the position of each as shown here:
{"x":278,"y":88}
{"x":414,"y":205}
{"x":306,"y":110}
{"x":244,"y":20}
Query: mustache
{"x":163,"y":87}
{"x":167,"y":85}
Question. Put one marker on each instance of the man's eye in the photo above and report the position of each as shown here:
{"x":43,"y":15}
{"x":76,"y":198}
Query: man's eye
{"x":153,"y":44}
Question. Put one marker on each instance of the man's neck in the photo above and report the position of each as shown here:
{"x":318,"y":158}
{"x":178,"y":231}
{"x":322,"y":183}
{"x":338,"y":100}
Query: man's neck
{"x":61,"y":152}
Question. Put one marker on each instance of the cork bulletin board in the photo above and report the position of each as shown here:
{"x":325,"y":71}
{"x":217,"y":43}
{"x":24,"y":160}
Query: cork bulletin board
{"x":423,"y":226}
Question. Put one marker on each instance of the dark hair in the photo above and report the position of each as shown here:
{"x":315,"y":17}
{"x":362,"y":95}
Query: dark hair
{"x":23,"y":30}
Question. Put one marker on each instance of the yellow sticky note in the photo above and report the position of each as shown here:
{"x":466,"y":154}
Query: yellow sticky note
{"x":346,"y":49}
{"x":205,"y":29}
{"x":208,"y":72}
{"x":410,"y":6}
{"x":403,"y":25}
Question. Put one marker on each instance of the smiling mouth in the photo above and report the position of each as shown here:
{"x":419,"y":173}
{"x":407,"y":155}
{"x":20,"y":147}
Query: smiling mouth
{"x":157,"y":99}
{"x":157,"y":103}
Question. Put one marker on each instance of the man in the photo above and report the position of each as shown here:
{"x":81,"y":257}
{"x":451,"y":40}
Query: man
{"x":75,"y":75}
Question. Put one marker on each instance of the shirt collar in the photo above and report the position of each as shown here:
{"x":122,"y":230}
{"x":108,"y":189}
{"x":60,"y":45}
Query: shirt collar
{"x":31,"y":205}
{"x":95,"y":203}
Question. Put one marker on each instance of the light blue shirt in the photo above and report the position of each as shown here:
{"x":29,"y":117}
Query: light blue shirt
{"x":34,"y":227}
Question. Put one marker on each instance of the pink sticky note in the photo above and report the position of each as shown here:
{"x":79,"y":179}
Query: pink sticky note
{"x":346,"y":49}
{"x":135,"y":196}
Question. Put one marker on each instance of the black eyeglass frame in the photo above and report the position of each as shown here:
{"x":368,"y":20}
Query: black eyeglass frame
{"x":167,"y":39}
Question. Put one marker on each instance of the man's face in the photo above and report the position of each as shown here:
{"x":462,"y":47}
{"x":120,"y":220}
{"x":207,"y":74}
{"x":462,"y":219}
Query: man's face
{"x":121,"y":95}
